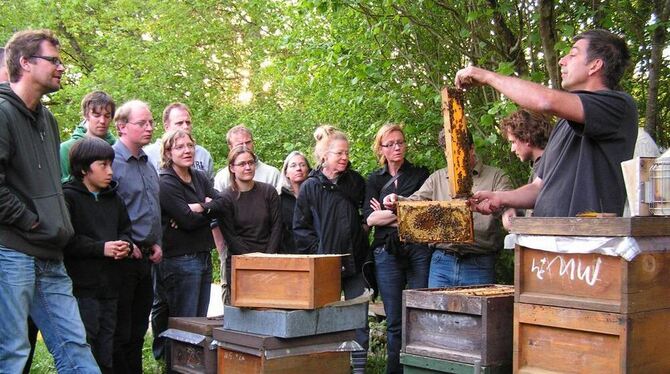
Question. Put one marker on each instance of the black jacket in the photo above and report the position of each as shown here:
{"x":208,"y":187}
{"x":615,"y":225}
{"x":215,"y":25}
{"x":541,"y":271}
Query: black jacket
{"x":287,"y":202}
{"x":30,"y":188}
{"x":192,"y":233}
{"x":327,"y":219}
{"x":96,"y":221}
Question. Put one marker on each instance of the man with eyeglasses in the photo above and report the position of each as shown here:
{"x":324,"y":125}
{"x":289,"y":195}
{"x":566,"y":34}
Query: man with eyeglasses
{"x":237,"y":136}
{"x":178,"y":116}
{"x":138,"y":185}
{"x":464,"y":264}
{"x":34,"y":220}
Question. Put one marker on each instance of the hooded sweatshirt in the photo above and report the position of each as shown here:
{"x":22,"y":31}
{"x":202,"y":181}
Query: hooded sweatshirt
{"x":30,"y":188}
{"x":78,"y":134}
{"x":96,"y":220}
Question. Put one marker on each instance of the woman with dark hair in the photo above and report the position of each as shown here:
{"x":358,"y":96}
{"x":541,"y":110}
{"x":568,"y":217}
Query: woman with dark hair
{"x":327,"y":218}
{"x":185,"y":274}
{"x":248,"y":211}
{"x":295,"y":171}
{"x":397,"y":265}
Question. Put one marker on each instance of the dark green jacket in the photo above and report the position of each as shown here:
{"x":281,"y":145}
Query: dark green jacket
{"x":30,"y":188}
{"x":78,"y":134}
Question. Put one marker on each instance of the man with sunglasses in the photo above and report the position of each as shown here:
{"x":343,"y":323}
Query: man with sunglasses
{"x":34,"y":220}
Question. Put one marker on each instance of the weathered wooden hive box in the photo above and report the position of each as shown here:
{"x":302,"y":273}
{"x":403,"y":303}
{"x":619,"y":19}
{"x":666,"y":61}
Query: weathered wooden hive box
{"x":435,"y":222}
{"x":190,"y":341}
{"x":413,"y":364}
{"x":245,"y":353}
{"x":285,"y":281}
{"x":463,"y":324}
{"x":567,"y":340}
{"x":593,"y":281}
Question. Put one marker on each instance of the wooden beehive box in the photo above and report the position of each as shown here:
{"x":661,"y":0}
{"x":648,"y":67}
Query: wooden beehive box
{"x":413,"y":364}
{"x":457,"y":151}
{"x":463,"y":324}
{"x":435,"y":222}
{"x":285,"y":281}
{"x":593,"y":281}
{"x":242,"y":353}
{"x":565,"y":340}
{"x":189,"y":340}
{"x":606,"y":226}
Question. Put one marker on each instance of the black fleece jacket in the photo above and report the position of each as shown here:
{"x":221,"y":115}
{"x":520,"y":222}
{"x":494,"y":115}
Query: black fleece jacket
{"x":30,"y":188}
{"x":96,"y":220}
{"x":192,"y":233}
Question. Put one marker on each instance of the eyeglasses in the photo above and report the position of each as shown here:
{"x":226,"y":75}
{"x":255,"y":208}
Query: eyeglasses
{"x":181,"y":147}
{"x":399,"y":143}
{"x":340,"y":153}
{"x":143,"y":124}
{"x":242,"y":164}
{"x":52,"y":59}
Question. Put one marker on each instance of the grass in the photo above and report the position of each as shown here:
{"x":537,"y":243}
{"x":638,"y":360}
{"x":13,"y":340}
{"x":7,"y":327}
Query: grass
{"x":43,"y":363}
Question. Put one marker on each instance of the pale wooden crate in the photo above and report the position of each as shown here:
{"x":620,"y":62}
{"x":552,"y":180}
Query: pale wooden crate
{"x":592,"y":281}
{"x":285,"y":281}
{"x":565,"y":340}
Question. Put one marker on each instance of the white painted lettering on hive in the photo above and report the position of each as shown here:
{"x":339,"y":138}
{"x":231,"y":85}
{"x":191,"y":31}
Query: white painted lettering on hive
{"x":572,"y":269}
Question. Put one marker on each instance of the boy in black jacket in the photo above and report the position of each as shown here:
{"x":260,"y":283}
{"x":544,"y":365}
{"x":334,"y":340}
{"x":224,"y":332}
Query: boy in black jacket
{"x":102,"y":235}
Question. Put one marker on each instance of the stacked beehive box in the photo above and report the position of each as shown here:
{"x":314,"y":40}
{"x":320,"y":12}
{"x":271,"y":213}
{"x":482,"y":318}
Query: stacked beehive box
{"x":286,"y":316}
{"x":590,"y":312}
{"x":457,"y":330}
{"x":189,"y":344}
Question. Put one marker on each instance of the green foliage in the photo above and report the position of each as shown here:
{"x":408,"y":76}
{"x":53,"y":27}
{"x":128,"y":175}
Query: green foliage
{"x":283,"y":67}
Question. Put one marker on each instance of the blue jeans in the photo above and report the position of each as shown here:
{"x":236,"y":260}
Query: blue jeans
{"x":42,"y":289}
{"x":186,"y":284}
{"x":394,"y":274}
{"x":448,"y":269}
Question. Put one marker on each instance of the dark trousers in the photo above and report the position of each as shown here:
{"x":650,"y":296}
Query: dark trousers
{"x":32,"y":338}
{"x":353,"y":287}
{"x":99,"y":318}
{"x":159,"y":314}
{"x":394,"y":274}
{"x":184,"y":285}
{"x":134,"y":306}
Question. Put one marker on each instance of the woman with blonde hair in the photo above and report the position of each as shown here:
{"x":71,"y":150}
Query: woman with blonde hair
{"x":327,"y":218}
{"x":397,"y":265}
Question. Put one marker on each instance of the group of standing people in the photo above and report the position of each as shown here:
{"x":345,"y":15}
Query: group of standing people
{"x":130,"y":231}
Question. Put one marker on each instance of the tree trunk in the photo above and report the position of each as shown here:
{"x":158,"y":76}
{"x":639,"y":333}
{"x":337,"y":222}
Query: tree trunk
{"x":548,"y":35}
{"x":511,"y":42}
{"x":662,"y":11}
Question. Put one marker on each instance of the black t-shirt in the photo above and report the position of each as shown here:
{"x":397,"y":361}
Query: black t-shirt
{"x":410,"y":180}
{"x":581,"y":165}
